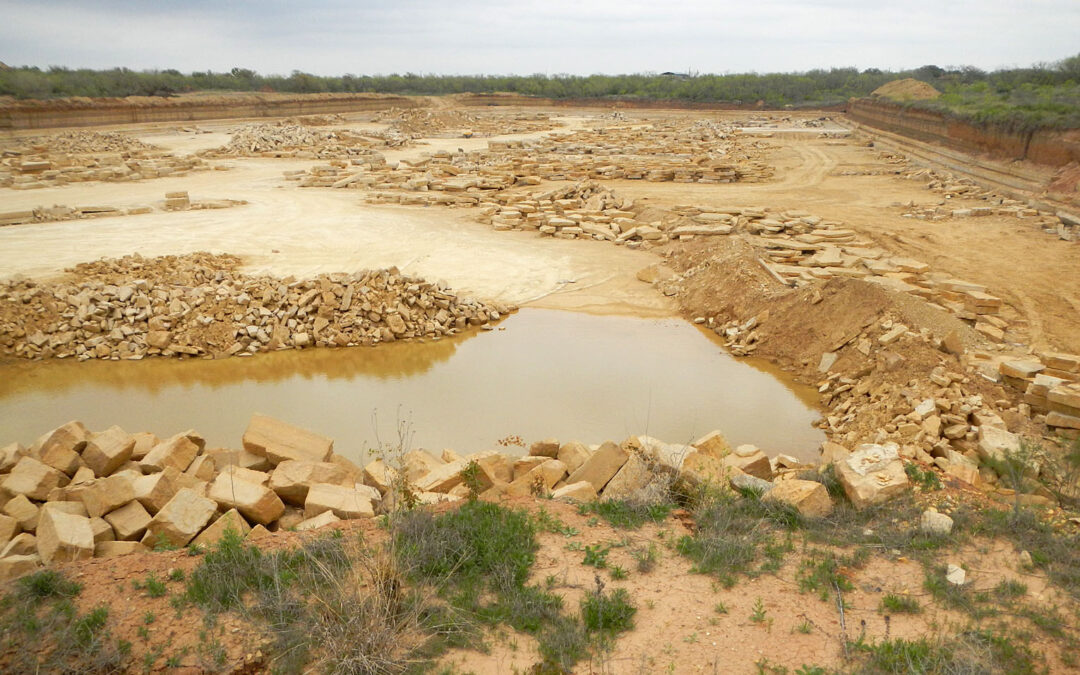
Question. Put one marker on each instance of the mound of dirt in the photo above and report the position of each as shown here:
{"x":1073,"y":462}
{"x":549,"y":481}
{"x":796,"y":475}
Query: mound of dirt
{"x":907,"y":89}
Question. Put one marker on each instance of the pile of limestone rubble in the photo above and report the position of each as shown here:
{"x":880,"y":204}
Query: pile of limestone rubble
{"x":200,"y":304}
{"x":681,"y":153}
{"x":295,"y":140}
{"x":174,"y":201}
{"x":79,"y":156}
{"x":76,"y":494}
{"x":423,"y":122}
{"x":1064,"y":224}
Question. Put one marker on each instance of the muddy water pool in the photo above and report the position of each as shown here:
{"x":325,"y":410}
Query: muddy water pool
{"x":542,"y":373}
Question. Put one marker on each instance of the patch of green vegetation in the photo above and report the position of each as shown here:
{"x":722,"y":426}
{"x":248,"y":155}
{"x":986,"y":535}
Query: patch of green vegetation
{"x":1051,"y":550}
{"x":735,"y":532}
{"x":628,"y":513}
{"x":970,"y":652}
{"x":46,"y":584}
{"x":1010,"y":589}
{"x":478,"y":557}
{"x":821,"y":572}
{"x":154,"y":587}
{"x":545,"y":522}
{"x":926,"y":479}
{"x":596,"y":556}
{"x":608,"y":613}
{"x":899,"y":604}
{"x":42,"y":630}
{"x":646,"y":557}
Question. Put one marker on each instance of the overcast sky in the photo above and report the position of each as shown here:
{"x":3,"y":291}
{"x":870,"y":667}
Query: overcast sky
{"x":334,"y":37}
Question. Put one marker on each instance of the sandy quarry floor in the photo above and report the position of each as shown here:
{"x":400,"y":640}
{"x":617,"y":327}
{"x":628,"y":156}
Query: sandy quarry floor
{"x":285,"y":230}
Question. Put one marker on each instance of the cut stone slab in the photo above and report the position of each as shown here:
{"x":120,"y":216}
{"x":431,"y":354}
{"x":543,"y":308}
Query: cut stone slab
{"x":61,"y":447}
{"x":713,"y":443}
{"x":669,"y":455}
{"x":231,"y":519}
{"x":523,"y":465}
{"x":995,"y":443}
{"x":23,"y":543}
{"x":345,"y":502}
{"x":443,"y":478}
{"x":15,"y":566}
{"x":74,"y":508}
{"x":600,"y":467}
{"x":113,"y":549}
{"x":573,"y":455}
{"x":935,"y":524}
{"x":178,"y":452}
{"x":129,"y":521}
{"x":955,"y":575}
{"x":632,"y":477}
{"x":539,"y":480}
{"x":102,"y":530}
{"x":292,"y":479}
{"x":322,"y":520}
{"x":419,"y":463}
{"x":240,"y":473}
{"x":106,"y":494}
{"x":202,"y":468}
{"x":707,"y":469}
{"x":106,"y":451}
{"x":744,"y":481}
{"x":581,"y":491}
{"x":257,"y":503}
{"x":33,"y":479}
{"x":872,"y":474}
{"x":183,"y":517}
{"x":144,"y":443}
{"x":832,"y":452}
{"x":9,"y":455}
{"x":24,"y":511}
{"x":549,"y":447}
{"x":63,"y":537}
{"x":379,"y":475}
{"x":155,"y":490}
{"x":9,"y":527}
{"x":750,"y":460}
{"x":809,"y":497}
{"x":279,"y":441}
{"x":242,"y":458}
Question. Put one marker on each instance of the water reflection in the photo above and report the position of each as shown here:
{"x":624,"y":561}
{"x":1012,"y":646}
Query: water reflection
{"x":549,"y":373}
{"x":387,"y":361}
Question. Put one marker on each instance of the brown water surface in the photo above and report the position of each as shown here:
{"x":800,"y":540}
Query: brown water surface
{"x":543,"y":373}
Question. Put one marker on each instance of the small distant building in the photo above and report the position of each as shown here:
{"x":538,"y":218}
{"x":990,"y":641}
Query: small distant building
{"x":677,"y":76}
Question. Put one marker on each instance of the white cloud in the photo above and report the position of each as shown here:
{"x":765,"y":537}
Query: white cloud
{"x":490,"y":36}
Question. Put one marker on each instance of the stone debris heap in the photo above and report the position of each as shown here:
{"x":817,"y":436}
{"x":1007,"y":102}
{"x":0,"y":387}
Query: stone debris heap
{"x":174,"y":201}
{"x":427,"y":123}
{"x":76,"y":494}
{"x":79,"y":156}
{"x":1065,"y":225}
{"x":801,"y":249}
{"x":703,"y":153}
{"x":664,"y":151}
{"x":201,"y":305}
{"x":298,"y":141}
{"x":584,"y":210}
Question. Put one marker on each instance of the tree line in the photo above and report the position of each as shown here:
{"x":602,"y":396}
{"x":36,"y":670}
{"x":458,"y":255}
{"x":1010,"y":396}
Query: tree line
{"x":1045,"y":88}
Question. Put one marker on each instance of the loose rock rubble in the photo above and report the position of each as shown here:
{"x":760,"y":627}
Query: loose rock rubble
{"x":426,"y":123}
{"x":300,"y":141}
{"x":201,"y":305}
{"x":76,"y":494}
{"x":174,"y":201}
